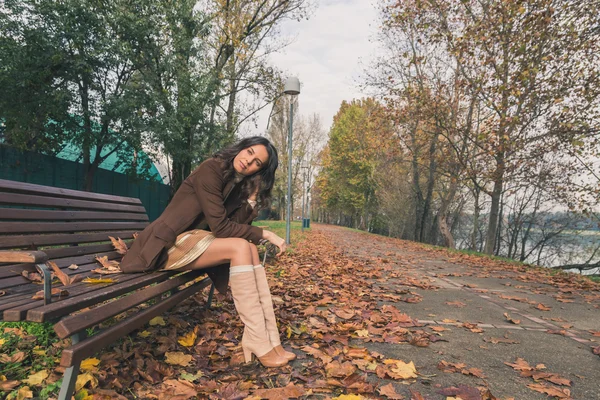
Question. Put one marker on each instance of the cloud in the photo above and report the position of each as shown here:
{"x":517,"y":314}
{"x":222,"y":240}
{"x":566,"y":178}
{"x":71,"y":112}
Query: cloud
{"x":326,"y":56}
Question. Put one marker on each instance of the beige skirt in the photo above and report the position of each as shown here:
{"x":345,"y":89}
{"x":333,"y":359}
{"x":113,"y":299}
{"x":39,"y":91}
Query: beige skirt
{"x":188,"y":246}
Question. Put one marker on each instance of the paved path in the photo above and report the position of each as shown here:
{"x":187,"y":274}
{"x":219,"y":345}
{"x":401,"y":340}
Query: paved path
{"x":558,"y":320}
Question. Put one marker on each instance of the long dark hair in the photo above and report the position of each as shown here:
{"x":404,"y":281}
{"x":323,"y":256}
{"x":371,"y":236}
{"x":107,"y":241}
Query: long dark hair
{"x":264,"y":178}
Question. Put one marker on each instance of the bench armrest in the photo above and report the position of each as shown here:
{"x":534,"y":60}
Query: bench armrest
{"x":34,"y":257}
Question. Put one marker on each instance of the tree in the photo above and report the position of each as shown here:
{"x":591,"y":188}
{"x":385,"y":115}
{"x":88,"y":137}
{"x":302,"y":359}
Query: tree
{"x":84,"y":91}
{"x":359,"y":137}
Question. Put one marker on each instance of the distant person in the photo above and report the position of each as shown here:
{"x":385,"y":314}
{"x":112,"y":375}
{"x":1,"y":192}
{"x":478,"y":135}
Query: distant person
{"x":224,"y":195}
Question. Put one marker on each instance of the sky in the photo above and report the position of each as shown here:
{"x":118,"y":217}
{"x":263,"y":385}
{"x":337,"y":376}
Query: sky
{"x":328,"y":54}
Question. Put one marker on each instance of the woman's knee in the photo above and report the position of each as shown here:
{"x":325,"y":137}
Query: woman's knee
{"x":239,"y":247}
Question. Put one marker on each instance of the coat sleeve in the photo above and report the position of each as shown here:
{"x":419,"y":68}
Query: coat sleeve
{"x":245,"y":214}
{"x":208,"y":184}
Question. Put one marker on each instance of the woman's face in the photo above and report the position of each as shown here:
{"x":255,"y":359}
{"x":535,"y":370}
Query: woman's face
{"x":251,"y":160}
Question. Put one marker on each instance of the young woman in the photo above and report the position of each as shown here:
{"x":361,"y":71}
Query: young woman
{"x":223,"y":194}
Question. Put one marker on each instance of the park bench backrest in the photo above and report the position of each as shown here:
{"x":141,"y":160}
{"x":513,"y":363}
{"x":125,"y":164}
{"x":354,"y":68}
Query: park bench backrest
{"x":71,"y":227}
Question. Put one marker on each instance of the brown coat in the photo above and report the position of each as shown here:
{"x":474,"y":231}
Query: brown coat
{"x":204,"y":201}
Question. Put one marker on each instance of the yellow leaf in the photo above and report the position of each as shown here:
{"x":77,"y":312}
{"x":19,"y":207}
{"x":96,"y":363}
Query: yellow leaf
{"x":362,"y":333}
{"x":83,"y":379}
{"x":37,"y":378}
{"x":89,"y":364}
{"x":144,"y":334}
{"x":188,"y":340}
{"x":2,"y":341}
{"x":157,"y":321}
{"x":24,"y":393}
{"x":83,"y":395}
{"x":96,"y":280}
{"x":178,"y":358}
{"x":39,"y":351}
{"x":404,"y":370}
{"x":349,"y":397}
{"x":372,"y":366}
{"x":288,"y":332}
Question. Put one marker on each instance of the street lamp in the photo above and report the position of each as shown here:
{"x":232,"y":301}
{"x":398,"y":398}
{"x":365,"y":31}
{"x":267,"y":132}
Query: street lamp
{"x":291,"y":87}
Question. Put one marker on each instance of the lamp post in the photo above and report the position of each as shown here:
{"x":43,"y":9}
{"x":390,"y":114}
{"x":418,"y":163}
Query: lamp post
{"x":291,"y":87}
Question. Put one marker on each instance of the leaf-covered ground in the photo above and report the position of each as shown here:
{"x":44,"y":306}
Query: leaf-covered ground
{"x":374,"y":318}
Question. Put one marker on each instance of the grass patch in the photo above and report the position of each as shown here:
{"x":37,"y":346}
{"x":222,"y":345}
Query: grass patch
{"x":27,"y":348}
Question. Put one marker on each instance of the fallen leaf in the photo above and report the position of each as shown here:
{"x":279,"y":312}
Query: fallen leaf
{"x":550,"y":390}
{"x":348,"y":397}
{"x":84,"y":379}
{"x":288,"y":392}
{"x":119,"y":245}
{"x":510,"y":319}
{"x":157,"y":321}
{"x":7,"y":386}
{"x":403,"y":370}
{"x":56,"y":292}
{"x":37,"y":378}
{"x":73,"y":267}
{"x":89,"y":364}
{"x":178,"y":358}
{"x":390,"y":392}
{"x":542,"y":307}
{"x":24,"y":393}
{"x":188,"y":340}
{"x":144,"y":334}
{"x":97,"y":280}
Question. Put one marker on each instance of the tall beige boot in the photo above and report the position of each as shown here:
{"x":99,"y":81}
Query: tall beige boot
{"x":262,"y":284}
{"x":247,"y":303}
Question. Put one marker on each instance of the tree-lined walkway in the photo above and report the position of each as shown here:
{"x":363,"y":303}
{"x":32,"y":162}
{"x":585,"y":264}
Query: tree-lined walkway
{"x":488,"y":315}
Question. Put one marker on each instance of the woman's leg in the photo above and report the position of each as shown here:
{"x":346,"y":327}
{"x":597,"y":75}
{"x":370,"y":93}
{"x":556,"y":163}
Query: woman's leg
{"x":235,"y":251}
{"x":266,"y":302}
{"x":245,"y":295}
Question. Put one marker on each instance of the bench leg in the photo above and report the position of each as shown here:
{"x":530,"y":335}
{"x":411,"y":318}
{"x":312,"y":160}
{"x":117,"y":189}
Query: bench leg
{"x":210,"y":296}
{"x":47,"y":275}
{"x":70,"y":377}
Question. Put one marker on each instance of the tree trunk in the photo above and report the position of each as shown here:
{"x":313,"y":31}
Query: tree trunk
{"x":443,"y":217}
{"x":475,"y":231}
{"x":490,"y":239}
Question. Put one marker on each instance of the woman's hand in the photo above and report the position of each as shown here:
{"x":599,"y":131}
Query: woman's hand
{"x":276,"y":240}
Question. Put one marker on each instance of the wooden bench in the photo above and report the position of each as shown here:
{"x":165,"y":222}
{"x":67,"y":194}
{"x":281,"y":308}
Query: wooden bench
{"x":40,"y":224}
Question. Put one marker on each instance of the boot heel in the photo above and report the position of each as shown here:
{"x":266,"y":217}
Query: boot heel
{"x":248,"y":355}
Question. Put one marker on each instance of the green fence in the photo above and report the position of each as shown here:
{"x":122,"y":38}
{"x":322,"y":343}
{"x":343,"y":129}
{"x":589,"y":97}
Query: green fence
{"x":46,"y":170}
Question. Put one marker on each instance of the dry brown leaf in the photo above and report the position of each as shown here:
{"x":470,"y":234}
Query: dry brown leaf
{"x":510,"y":319}
{"x":119,"y":245}
{"x":390,"y":392}
{"x":56,"y":292}
{"x":520,"y":365}
{"x":403,"y":370}
{"x":65,"y":279}
{"x":178,"y":358}
{"x":291,"y":391}
{"x":542,"y":307}
{"x":7,"y":386}
{"x":550,"y":390}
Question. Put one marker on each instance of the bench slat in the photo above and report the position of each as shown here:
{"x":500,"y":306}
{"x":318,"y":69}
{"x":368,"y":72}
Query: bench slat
{"x":76,"y":323}
{"x":56,"y":227}
{"x":86,"y":348}
{"x":34,"y":241}
{"x":42,"y":215}
{"x":31,"y":188}
{"x":23,"y":256}
{"x":30,"y":200}
{"x":85,"y":263}
{"x":19,"y":312}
